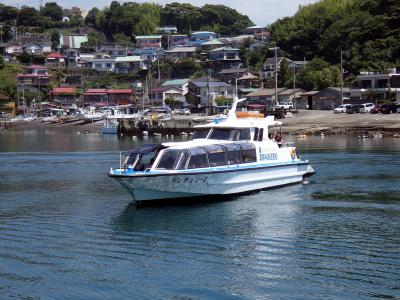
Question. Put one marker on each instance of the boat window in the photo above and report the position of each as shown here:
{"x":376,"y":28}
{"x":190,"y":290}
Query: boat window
{"x":216,"y":155}
{"x":234,"y":154}
{"x":200,"y":133}
{"x":130,"y":160}
{"x":198,"y":158}
{"x":249,"y":153}
{"x":230,"y":134}
{"x":168,"y":159}
{"x":182,"y":160}
{"x":145,"y":161}
{"x":258,"y":134}
{"x":221,"y":134}
{"x":244,"y":134}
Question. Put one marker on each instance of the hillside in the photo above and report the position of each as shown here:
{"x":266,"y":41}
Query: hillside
{"x":367,"y":29}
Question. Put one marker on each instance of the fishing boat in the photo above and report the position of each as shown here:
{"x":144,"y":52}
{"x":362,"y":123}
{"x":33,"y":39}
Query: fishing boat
{"x":109,"y":127}
{"x":226,"y":157}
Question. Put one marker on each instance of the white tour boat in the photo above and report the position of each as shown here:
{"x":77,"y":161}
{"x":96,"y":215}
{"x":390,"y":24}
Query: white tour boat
{"x":225,"y":157}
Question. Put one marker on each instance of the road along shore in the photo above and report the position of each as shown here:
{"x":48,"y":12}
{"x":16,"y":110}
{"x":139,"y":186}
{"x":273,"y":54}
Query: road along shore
{"x":303,"y":122}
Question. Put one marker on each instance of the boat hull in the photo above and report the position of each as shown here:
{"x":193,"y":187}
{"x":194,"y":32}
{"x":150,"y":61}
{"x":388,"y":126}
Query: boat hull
{"x":209,"y":183}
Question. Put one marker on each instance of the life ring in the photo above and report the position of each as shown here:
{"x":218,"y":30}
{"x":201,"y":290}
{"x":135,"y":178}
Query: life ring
{"x":293,"y":153}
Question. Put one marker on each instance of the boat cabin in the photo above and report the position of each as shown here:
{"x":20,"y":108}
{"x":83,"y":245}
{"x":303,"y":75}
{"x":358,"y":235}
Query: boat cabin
{"x":229,"y":134}
{"x":208,"y":156}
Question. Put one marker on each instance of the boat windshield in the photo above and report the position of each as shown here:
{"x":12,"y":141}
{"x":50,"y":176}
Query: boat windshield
{"x":173,"y":160}
{"x":230,"y":134}
{"x":201,"y":133}
{"x":142,"y":158}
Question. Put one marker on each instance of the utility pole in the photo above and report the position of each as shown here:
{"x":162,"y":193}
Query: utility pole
{"x":341,"y":73}
{"x":275,"y":49}
{"x":294,"y":85}
{"x":158,"y":67}
{"x":341,"y":76}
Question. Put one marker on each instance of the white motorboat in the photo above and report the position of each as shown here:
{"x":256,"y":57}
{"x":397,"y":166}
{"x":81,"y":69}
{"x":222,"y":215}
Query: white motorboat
{"x":91,"y":115}
{"x":225,"y":157}
{"x":109,"y":127}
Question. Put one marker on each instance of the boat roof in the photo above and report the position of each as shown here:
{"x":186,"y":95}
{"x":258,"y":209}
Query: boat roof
{"x":234,"y":145}
{"x":233,"y":122}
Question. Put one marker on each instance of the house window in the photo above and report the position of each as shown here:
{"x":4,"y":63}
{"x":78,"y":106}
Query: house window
{"x":108,"y":65}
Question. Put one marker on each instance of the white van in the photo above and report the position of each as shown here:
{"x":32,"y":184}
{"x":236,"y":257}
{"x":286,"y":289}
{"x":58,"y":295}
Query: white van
{"x":366,"y":107}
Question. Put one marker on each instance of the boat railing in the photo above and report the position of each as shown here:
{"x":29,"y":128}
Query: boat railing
{"x":288,"y":144}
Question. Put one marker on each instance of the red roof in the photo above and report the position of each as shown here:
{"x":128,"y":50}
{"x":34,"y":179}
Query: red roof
{"x":34,"y":75}
{"x":36,"y":67}
{"x":55,"y":55}
{"x":256,"y":106}
{"x":126,"y":91}
{"x":63,"y":90}
{"x":96,"y":91}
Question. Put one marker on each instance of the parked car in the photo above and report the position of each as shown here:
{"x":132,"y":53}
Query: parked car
{"x":285,"y":105}
{"x":388,"y":108}
{"x":355,"y":109}
{"x":384,"y":109}
{"x":341,"y":108}
{"x":376,"y":109}
{"x":368,"y":107}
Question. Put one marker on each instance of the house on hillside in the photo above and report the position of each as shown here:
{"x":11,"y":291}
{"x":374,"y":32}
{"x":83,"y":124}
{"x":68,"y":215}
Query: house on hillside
{"x":148,"y":41}
{"x":103,"y":64}
{"x":34,"y":79}
{"x":95,"y":97}
{"x":230,"y":75}
{"x":129,"y":64}
{"x":181,"y":84}
{"x":157,"y":96}
{"x":72,"y":41}
{"x":225,"y":57}
{"x":167,"y":30}
{"x":55,"y":60}
{"x":177,"y":53}
{"x":269,"y":66}
{"x":178,"y":40}
{"x":203,"y":92}
{"x":120,"y":96}
{"x":148,"y":55}
{"x":114,"y":50}
{"x":257,"y":45}
{"x":36,"y":48}
{"x":199,"y":37}
{"x":36,"y":45}
{"x":64,"y":96}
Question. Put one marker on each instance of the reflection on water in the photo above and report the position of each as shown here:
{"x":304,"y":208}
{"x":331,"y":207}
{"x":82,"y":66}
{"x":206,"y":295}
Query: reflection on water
{"x":70,"y":232}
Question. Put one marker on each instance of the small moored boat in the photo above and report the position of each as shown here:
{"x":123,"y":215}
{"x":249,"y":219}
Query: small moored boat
{"x":223,"y":158}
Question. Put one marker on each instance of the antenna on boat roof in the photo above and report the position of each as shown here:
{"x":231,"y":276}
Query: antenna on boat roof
{"x":232,"y":111}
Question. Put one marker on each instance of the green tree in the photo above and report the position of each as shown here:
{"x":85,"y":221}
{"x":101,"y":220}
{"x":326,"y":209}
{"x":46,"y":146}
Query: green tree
{"x":1,"y":62}
{"x":284,"y":74}
{"x":53,"y":11}
{"x":55,"y":39}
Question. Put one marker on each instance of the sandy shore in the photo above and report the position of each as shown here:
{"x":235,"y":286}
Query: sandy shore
{"x":326,"y":121}
{"x":304,"y":121}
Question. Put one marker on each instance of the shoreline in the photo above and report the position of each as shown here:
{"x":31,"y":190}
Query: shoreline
{"x":304,"y":122}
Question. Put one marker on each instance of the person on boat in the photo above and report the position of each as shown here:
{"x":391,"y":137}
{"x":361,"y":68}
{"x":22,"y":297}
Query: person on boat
{"x":278,"y":139}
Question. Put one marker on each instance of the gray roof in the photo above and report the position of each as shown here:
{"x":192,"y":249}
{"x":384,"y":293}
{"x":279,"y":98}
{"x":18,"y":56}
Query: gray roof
{"x":233,"y":71}
{"x":210,"y":84}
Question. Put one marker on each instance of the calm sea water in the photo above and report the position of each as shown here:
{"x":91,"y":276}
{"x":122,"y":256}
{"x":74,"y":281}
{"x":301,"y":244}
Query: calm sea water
{"x":67,"y":231}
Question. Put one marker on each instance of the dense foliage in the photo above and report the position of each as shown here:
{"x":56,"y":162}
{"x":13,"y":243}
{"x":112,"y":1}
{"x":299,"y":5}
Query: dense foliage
{"x":123,"y":21}
{"x":366,"y":29}
{"x":217,"y":18}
